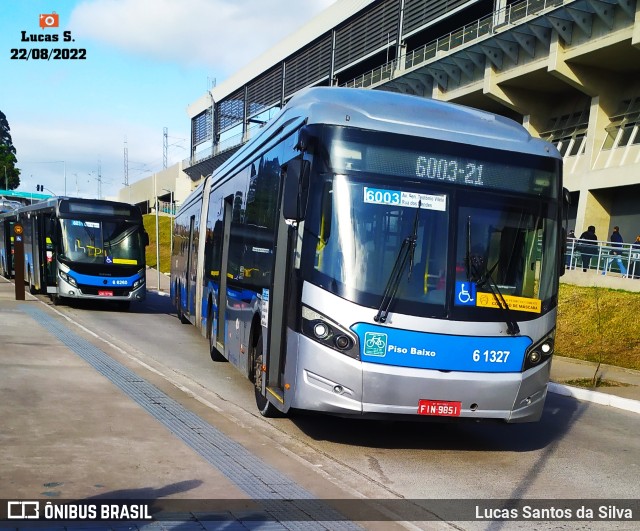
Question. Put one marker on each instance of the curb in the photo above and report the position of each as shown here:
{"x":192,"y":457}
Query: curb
{"x":597,"y":398}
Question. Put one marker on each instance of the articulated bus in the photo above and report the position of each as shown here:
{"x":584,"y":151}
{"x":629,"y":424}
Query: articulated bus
{"x":83,"y":249}
{"x":376,"y":254}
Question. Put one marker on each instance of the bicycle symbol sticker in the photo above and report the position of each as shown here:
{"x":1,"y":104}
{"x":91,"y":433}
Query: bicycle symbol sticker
{"x":375,"y":344}
{"x":465,"y":294}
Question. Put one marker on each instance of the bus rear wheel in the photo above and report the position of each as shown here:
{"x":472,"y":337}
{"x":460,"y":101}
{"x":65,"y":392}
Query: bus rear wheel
{"x":266,"y":408}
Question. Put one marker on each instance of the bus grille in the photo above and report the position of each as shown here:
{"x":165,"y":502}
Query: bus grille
{"x":93,"y":290}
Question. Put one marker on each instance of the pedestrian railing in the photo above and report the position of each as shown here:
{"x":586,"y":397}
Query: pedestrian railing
{"x":603,"y":255}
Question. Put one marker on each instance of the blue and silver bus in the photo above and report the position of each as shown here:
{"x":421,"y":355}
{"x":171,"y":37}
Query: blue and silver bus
{"x":372,"y":254}
{"x":84,"y":249}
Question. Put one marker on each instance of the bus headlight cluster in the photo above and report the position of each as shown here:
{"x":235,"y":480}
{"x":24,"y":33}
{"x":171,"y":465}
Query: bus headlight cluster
{"x":323,"y":330}
{"x":67,"y":278}
{"x":138,"y":282}
{"x":540,"y":351}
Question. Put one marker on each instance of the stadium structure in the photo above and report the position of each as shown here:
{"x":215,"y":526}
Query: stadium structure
{"x":569,"y":70}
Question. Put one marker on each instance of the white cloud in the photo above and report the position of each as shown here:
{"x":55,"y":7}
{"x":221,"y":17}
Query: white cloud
{"x":83,"y":147}
{"x":220,"y":34}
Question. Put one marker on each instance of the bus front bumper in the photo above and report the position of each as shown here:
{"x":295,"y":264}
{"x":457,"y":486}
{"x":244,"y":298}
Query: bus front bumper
{"x":334,"y":383}
{"x":94,"y":292}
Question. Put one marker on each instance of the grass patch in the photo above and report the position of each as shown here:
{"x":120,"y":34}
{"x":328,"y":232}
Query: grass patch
{"x":588,"y":383}
{"x":615,"y":340}
{"x":164,"y":230}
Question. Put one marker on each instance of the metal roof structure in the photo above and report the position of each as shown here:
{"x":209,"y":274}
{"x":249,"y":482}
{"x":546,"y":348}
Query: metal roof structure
{"x":568,"y":70}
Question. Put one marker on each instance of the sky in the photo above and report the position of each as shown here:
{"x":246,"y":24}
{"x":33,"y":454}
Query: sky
{"x":145,"y":62}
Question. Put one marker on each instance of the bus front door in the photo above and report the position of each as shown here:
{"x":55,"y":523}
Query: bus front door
{"x":49,"y":259}
{"x":280,"y":311}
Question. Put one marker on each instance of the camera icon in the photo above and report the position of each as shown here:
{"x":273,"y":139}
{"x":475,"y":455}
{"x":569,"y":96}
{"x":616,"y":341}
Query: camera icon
{"x":49,"y":20}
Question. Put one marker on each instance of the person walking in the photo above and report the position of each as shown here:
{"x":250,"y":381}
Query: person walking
{"x":615,"y":254}
{"x":588,"y":246}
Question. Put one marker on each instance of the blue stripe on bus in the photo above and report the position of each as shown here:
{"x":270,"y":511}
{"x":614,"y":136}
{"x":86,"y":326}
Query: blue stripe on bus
{"x":406,"y":348}
{"x":113,"y":282}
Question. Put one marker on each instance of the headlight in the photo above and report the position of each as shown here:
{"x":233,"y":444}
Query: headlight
{"x":323,"y":330}
{"x":68,"y":278}
{"x":539,"y":352}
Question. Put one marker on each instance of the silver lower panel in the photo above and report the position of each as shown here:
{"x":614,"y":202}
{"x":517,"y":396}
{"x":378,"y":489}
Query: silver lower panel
{"x":334,"y":383}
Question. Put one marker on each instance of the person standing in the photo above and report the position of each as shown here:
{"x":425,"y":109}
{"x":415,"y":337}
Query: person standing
{"x":588,"y":246}
{"x":615,"y":254}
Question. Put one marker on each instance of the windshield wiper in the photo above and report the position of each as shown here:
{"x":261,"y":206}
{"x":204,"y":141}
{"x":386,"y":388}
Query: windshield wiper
{"x":512,"y":325}
{"x":407,"y":251}
{"x":474,"y":266}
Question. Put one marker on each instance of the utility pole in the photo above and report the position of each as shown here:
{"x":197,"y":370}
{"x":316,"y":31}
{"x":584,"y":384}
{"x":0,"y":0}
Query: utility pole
{"x":165,"y":148}
{"x":126,"y":168}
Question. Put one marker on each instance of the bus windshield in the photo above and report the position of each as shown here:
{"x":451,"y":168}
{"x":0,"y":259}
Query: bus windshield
{"x":112,"y":242}
{"x":359,"y":216}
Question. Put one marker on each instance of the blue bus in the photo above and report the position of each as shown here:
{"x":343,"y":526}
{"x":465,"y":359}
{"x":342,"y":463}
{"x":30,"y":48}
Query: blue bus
{"x":84,"y":249}
{"x":376,"y":254}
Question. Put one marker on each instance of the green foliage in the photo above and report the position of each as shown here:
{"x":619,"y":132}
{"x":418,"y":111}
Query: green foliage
{"x":9,"y":174}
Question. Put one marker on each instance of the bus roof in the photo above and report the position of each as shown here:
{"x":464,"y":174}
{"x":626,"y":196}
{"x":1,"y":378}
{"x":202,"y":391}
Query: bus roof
{"x":53,"y":204}
{"x":391,"y":112}
{"x":412,"y":115}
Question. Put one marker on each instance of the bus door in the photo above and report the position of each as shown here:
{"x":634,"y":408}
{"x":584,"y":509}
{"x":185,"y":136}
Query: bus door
{"x":31,"y":252}
{"x":278,"y":311}
{"x":192,"y":256}
{"x":50,"y":259}
{"x":280,"y":304}
{"x":224,"y":269}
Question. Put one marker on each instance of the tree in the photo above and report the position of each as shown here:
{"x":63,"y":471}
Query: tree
{"x":9,"y":174}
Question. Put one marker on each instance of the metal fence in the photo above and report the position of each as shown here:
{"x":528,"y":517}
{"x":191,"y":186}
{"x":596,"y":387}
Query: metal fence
{"x":604,"y":257}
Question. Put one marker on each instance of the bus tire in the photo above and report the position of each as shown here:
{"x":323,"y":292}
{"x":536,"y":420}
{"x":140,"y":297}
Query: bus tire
{"x":266,"y":408}
{"x":213,"y":349}
{"x":56,"y":300}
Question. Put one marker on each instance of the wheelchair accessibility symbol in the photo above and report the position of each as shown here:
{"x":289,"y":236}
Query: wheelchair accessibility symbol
{"x":465,"y":294}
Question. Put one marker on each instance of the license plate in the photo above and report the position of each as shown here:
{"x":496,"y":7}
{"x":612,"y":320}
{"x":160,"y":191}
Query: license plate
{"x":439,"y":408}
{"x":105,"y":293}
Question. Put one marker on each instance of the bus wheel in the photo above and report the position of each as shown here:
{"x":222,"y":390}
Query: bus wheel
{"x":266,"y":408}
{"x":213,"y":349}
{"x":56,"y":300}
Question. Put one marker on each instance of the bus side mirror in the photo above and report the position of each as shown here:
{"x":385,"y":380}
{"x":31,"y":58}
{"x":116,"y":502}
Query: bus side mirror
{"x":296,"y":189}
{"x":145,"y":238}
